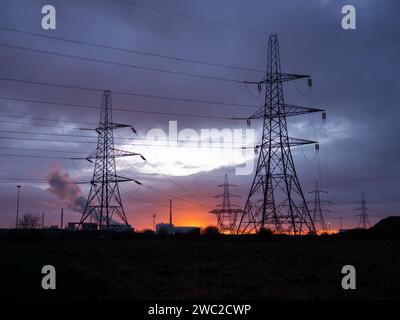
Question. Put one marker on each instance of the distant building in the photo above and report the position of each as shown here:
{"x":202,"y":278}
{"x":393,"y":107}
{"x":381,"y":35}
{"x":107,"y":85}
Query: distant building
{"x":89,"y":226}
{"x":93,"y":226}
{"x":72,"y":226}
{"x":164,"y":228}
{"x":86,"y":226}
{"x":170,"y":229}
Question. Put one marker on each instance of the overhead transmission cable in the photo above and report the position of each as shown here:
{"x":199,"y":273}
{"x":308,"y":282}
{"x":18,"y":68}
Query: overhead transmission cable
{"x":120,"y":64}
{"x":132,"y":144}
{"x":150,"y":142}
{"x":186,"y":16}
{"x":139,"y":52}
{"x":42,"y":150}
{"x":127,"y":93}
{"x":119,"y":109}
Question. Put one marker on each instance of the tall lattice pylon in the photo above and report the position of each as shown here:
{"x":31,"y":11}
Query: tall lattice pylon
{"x":276,"y":200}
{"x":318,"y":211}
{"x":226,"y":212}
{"x":364,"y":220}
{"x":104,"y":203}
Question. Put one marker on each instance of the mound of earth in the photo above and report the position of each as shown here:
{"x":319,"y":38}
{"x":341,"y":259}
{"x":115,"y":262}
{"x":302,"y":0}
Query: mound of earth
{"x":388,"y":224}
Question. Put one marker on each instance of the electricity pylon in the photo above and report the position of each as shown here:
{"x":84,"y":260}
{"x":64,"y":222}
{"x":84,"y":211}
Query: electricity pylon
{"x":226,"y":215}
{"x":276,"y":200}
{"x":318,"y":212}
{"x":364,"y":221}
{"x":104,"y":202}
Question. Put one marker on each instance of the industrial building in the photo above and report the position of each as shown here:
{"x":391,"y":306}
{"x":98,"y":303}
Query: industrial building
{"x":92,"y":226}
{"x":170,"y":229}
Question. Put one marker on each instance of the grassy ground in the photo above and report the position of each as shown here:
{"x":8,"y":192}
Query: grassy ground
{"x":201,"y":268}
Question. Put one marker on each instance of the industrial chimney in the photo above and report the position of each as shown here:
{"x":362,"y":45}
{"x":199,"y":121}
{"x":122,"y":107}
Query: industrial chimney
{"x":170,"y":211}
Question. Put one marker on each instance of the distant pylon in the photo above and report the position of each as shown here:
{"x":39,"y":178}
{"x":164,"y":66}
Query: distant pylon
{"x":104,"y":203}
{"x":318,"y":212}
{"x":364,"y":221}
{"x":276,"y":200}
{"x":226,"y":215}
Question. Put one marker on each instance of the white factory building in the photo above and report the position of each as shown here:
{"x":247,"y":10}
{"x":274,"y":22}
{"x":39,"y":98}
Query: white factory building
{"x":170,"y":229}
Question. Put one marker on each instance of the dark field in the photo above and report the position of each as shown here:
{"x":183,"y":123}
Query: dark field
{"x":202,"y":267}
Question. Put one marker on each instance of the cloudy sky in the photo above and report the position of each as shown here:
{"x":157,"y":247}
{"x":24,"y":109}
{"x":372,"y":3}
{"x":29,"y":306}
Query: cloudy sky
{"x":354,"y":79}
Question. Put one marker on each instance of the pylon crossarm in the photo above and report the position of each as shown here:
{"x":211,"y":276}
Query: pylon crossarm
{"x":109,"y":126}
{"x":231,"y":205}
{"x":293,"y":110}
{"x":117,"y":153}
{"x":320,"y":191}
{"x":113,"y":125}
{"x":283,"y":77}
{"x":230,"y":196}
{"x":289,"y":111}
{"x":278,"y":77}
{"x":293,"y":142}
{"x":218,"y":211}
{"x":124,"y":179}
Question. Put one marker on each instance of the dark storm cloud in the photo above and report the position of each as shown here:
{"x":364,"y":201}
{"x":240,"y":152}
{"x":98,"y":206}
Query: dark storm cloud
{"x":354,"y":73}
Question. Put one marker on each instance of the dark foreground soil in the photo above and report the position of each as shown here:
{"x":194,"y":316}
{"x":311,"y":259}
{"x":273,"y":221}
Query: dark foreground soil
{"x":201,"y":268}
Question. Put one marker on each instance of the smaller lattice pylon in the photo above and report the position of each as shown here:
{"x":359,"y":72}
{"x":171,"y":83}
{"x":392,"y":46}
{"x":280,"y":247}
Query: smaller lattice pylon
{"x":363,"y":223}
{"x":318,"y":211}
{"x":104,"y":202}
{"x":226,"y":212}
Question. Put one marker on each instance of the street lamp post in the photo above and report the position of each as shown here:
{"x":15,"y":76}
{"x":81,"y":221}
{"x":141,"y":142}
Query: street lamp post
{"x":16,"y":221}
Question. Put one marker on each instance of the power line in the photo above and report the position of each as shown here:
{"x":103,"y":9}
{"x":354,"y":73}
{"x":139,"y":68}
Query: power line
{"x":152,"y":203}
{"x":51,"y":134}
{"x":121,"y":109}
{"x":46,"y":181}
{"x":142,"y":200}
{"x":169,"y":194}
{"x":134,"y":144}
{"x":42,"y":150}
{"x":36,"y":124}
{"x":32,"y":156}
{"x":169,"y":177}
{"x":139,"y":52}
{"x":47,"y":140}
{"x":186,"y":16}
{"x":186,"y":100}
{"x":41,"y":180}
{"x":224,"y":143}
{"x":44,"y":119}
{"x":50,"y":102}
{"x":68,"y":158}
{"x":177,"y":196}
{"x":120,"y":64}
